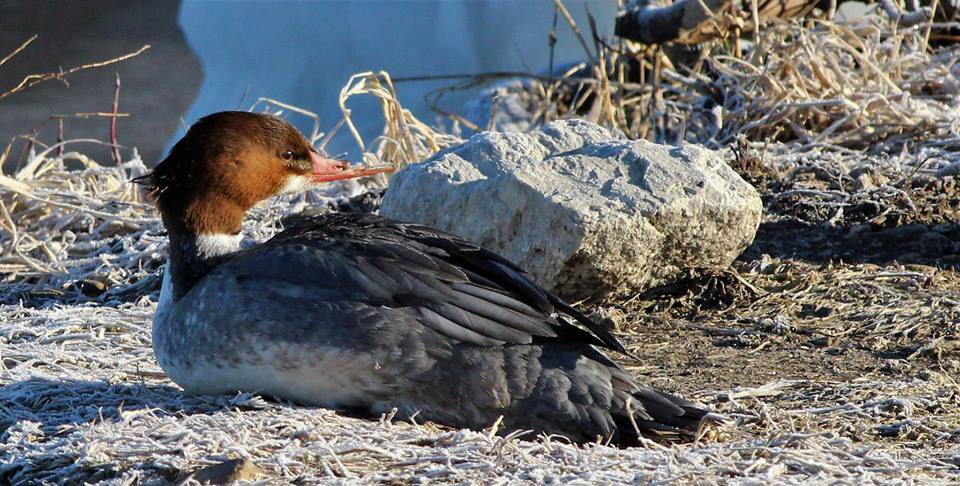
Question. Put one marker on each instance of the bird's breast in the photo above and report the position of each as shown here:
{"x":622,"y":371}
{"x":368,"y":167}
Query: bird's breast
{"x":206,"y":360}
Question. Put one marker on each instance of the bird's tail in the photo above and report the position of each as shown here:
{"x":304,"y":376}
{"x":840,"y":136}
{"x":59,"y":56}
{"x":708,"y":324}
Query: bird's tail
{"x":639,"y":412}
{"x":567,"y":389}
{"x":662,"y":417}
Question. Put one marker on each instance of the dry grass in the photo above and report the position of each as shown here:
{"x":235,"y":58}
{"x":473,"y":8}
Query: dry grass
{"x":405,"y":139}
{"x":67,"y":232}
{"x":808,"y":82}
{"x":856,"y":86}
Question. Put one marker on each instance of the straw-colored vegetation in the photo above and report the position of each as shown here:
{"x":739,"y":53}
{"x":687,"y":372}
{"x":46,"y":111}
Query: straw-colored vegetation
{"x":832,"y":343}
{"x":816,"y":83}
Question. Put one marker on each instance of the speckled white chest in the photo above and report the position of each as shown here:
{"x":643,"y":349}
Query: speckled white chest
{"x":329,"y":377}
{"x":207,"y":359}
{"x":208,"y":351}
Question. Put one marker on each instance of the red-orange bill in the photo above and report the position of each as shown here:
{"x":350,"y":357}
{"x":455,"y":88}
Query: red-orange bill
{"x":327,"y":169}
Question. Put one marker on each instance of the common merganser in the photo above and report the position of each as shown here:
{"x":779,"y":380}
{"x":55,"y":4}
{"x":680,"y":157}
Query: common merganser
{"x":358,"y":311}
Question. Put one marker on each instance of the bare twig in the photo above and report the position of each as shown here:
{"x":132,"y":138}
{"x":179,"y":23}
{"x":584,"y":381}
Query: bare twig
{"x":113,"y":122}
{"x":90,"y":114}
{"x":35,"y":79}
{"x":60,"y":137}
{"x":18,"y":50}
{"x":573,"y":25}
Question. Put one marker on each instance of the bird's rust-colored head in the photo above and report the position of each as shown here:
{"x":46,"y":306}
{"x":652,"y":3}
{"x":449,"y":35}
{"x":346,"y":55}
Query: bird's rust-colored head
{"x":228,"y":162}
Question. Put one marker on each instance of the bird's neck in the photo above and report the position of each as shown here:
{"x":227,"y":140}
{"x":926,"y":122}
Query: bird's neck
{"x":191,"y":256}
{"x":202,"y":232}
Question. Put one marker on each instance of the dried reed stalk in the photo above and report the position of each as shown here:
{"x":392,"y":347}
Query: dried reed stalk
{"x":811,"y":83}
{"x":405,"y":139}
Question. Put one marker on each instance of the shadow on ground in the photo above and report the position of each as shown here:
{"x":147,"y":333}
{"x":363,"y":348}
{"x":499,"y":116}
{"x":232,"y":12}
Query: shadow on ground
{"x":935,"y":245}
{"x":57,"y":403}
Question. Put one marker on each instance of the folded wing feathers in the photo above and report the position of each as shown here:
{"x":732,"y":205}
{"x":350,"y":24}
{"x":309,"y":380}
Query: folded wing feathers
{"x":482,"y":325}
{"x":460,"y":289}
{"x":495,"y":297}
{"x":424,"y":289}
{"x":454,"y":330}
{"x":601,"y":332}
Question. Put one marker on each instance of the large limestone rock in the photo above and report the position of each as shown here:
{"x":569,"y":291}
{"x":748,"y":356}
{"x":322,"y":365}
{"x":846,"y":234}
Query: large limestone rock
{"x":586,"y":214}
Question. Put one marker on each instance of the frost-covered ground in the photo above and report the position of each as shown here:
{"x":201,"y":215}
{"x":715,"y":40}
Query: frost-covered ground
{"x":82,"y":398}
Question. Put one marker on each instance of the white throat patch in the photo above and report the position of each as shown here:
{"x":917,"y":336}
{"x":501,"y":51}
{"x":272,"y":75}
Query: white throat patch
{"x":295,"y":184}
{"x":212,"y":245}
{"x":207,"y":246}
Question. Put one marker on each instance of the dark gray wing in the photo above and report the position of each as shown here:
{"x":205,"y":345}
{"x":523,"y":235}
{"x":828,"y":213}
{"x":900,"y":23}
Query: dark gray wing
{"x":459,"y":289}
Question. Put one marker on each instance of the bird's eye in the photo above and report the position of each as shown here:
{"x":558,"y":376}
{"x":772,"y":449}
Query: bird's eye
{"x":288,"y":155}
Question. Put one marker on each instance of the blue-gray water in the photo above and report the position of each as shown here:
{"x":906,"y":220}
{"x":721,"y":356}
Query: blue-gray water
{"x":302,"y":53}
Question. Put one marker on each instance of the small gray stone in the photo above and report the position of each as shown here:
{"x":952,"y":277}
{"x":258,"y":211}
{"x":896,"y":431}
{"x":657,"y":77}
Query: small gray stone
{"x":584,"y":213}
{"x":227,"y":472}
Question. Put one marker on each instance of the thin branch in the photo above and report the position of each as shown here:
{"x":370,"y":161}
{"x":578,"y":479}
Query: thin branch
{"x":60,"y":137}
{"x":113,"y":122}
{"x":17,"y":50}
{"x":576,"y":30}
{"x":89,"y":114}
{"x":552,"y":41}
{"x":35,"y":79}
{"x":479,"y":78}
